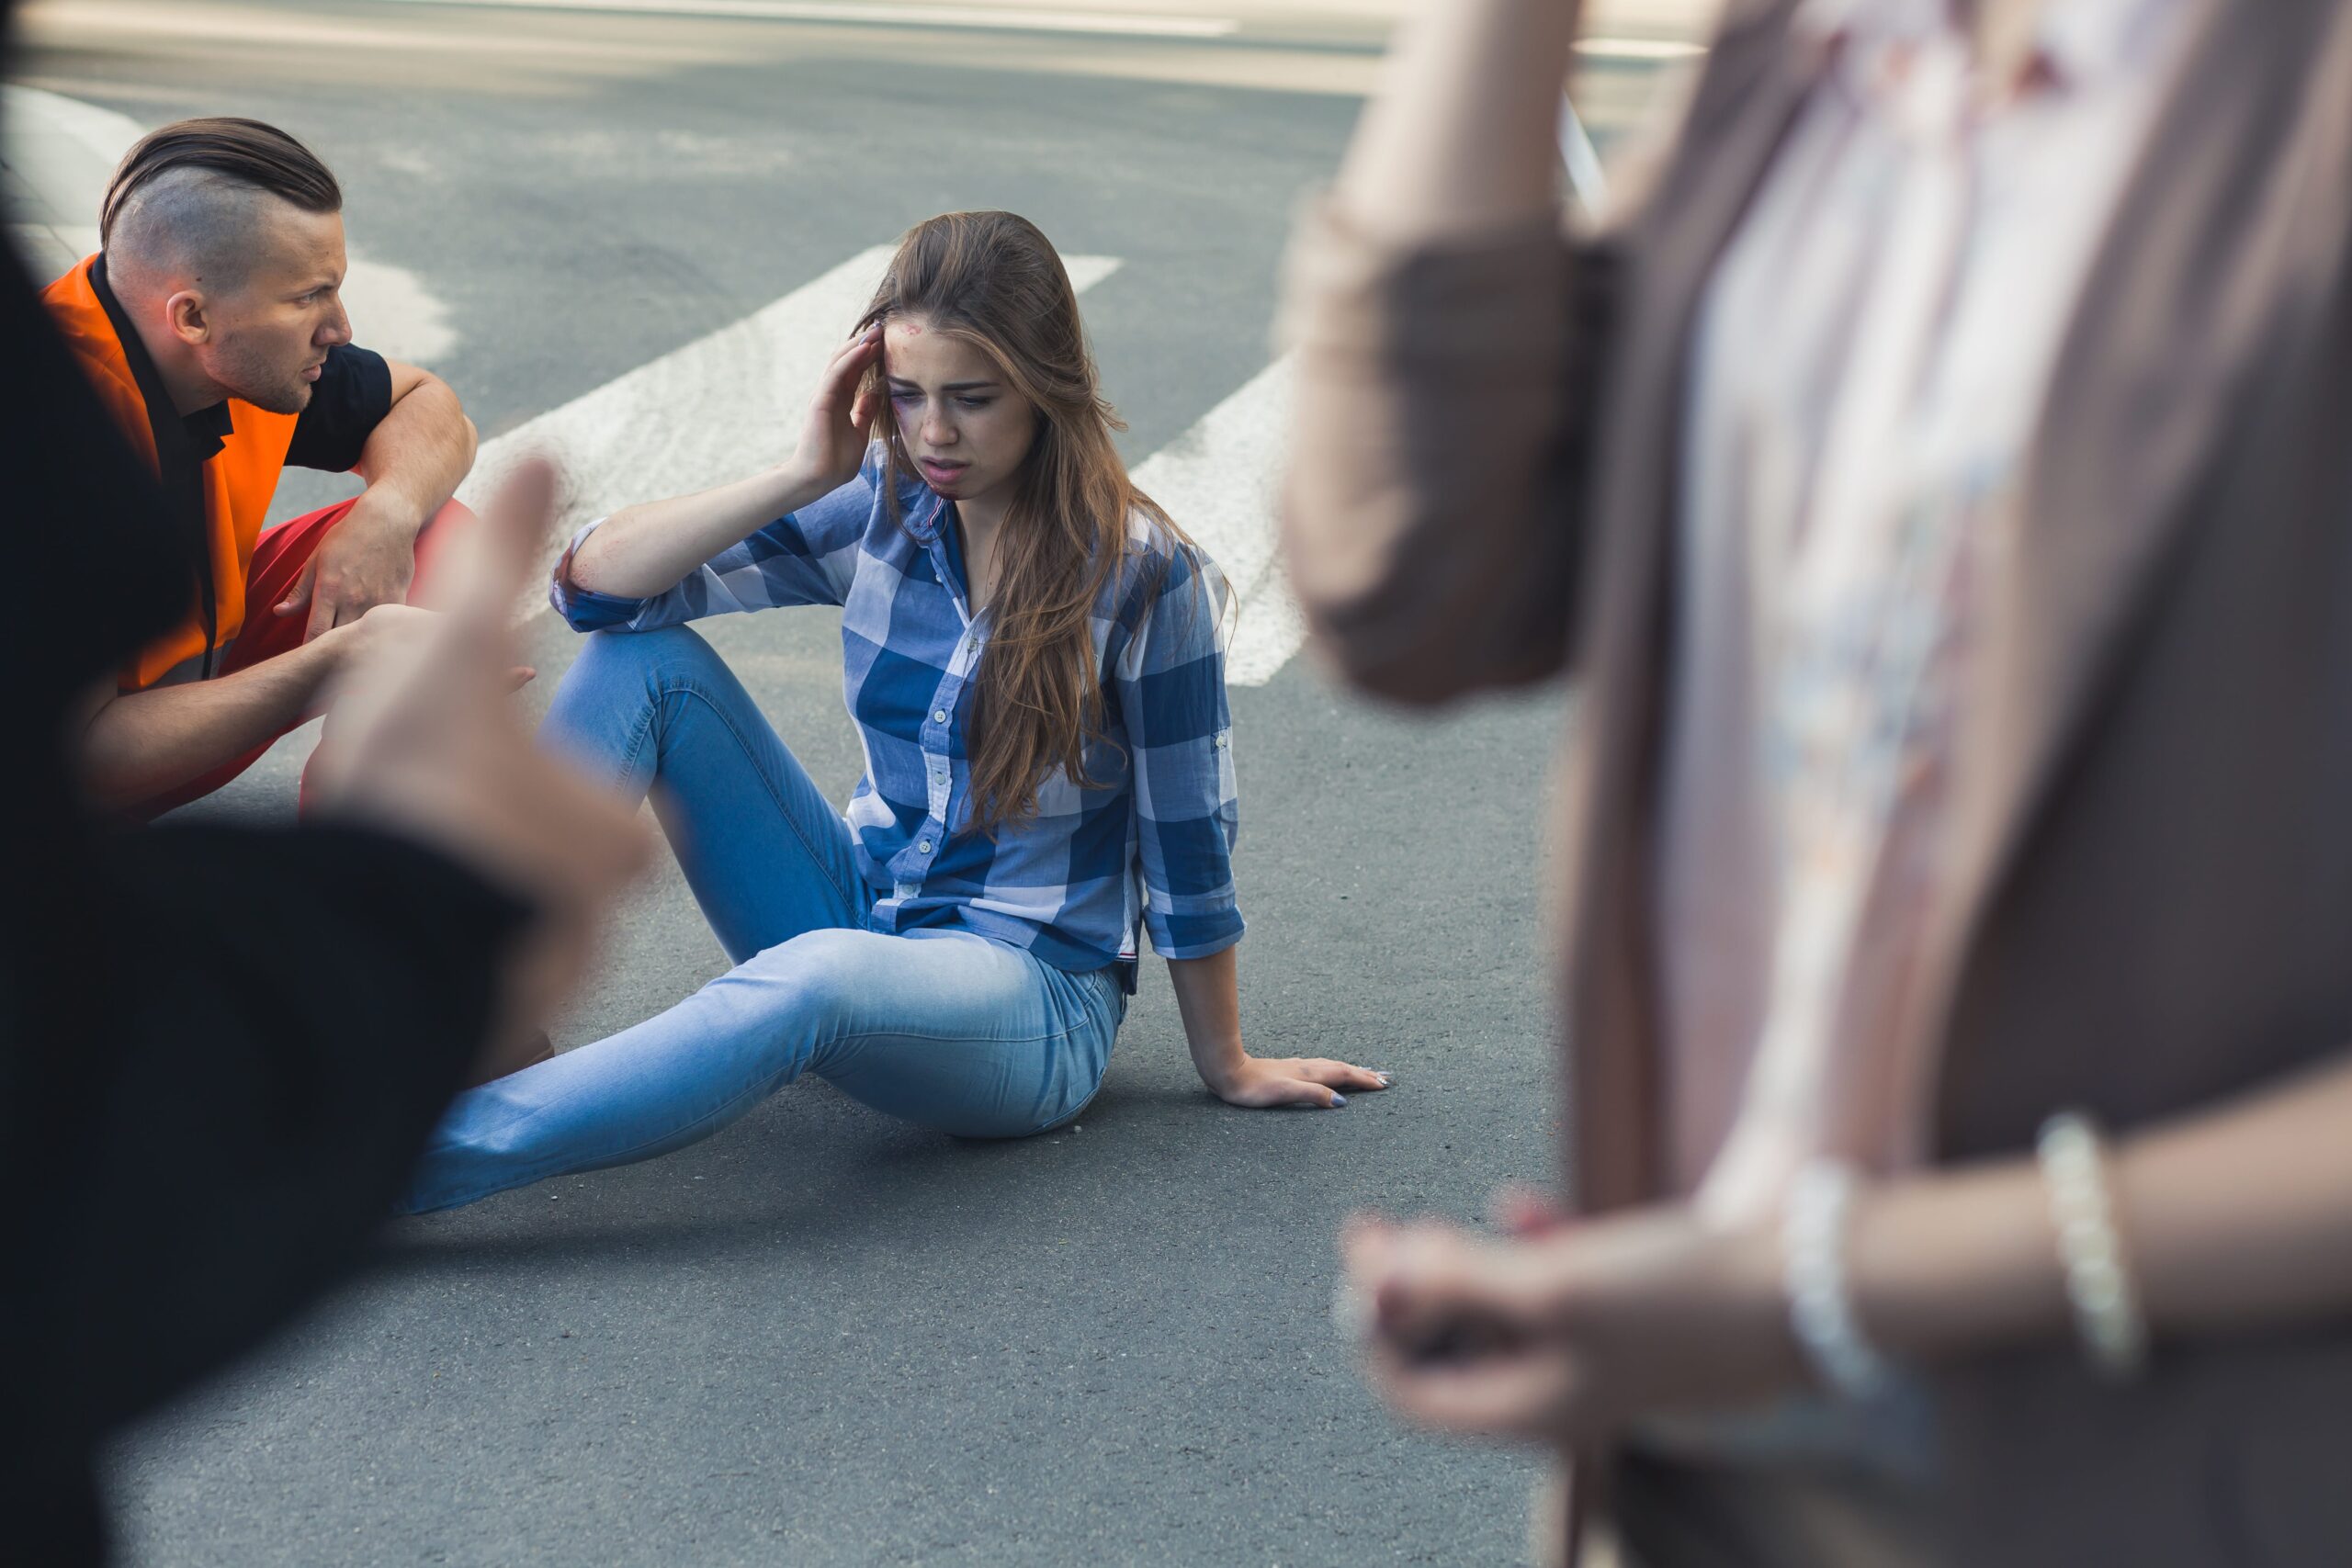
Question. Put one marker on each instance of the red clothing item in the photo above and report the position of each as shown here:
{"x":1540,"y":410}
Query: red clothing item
{"x":279,"y":556}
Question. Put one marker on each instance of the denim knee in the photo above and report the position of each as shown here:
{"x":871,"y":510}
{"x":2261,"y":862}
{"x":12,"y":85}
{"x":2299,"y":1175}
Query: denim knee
{"x":819,"y":976}
{"x":651,"y":656}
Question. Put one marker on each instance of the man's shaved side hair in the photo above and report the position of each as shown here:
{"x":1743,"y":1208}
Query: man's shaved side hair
{"x":191,"y":197}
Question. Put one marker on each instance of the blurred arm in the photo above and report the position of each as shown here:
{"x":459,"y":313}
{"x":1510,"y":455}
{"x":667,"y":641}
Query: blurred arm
{"x":1462,"y":138}
{"x":1448,"y":337}
{"x":2234,"y":1219}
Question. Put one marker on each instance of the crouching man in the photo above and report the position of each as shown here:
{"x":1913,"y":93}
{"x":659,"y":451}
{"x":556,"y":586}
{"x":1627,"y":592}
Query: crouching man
{"x":211,"y":324}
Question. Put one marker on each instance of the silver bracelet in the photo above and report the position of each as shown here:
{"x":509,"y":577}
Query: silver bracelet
{"x":2090,"y":1245}
{"x":1813,"y":1274}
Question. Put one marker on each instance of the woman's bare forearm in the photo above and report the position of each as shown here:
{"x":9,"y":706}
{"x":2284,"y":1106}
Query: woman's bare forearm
{"x":644,"y":550}
{"x":1208,"y":996}
{"x":2234,"y":1219}
{"x":1463,"y":135}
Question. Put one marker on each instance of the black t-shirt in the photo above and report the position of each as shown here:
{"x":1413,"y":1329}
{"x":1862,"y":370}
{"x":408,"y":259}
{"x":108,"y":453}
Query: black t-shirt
{"x":350,"y":399}
{"x":353,"y":394}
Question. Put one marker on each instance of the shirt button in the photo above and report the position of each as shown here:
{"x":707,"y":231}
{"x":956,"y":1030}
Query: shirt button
{"x":939,"y":715}
{"x":923,"y":847}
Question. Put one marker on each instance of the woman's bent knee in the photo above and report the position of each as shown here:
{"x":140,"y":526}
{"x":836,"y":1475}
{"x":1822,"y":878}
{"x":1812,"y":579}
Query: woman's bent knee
{"x":668,"y":649}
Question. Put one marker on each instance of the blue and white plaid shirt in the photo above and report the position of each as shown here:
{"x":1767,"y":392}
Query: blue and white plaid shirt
{"x":1071,"y":883}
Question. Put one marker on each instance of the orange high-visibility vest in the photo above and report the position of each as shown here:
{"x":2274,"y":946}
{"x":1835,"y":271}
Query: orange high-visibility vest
{"x":239,"y":480}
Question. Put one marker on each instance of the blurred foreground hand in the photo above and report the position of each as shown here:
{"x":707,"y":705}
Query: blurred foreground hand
{"x":422,"y":741}
{"x":1567,"y":1330}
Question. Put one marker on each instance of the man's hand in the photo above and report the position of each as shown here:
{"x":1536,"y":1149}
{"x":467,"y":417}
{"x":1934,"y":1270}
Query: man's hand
{"x":366,"y":560}
{"x":422,"y":742}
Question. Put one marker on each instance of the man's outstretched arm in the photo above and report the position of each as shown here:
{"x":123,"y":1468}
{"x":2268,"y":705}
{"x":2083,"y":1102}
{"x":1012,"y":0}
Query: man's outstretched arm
{"x":136,"y":746}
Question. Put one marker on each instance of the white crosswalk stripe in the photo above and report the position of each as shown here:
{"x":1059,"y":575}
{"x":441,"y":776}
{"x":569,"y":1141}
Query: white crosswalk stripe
{"x":992,"y":19}
{"x":1220,"y":481}
{"x":701,"y":415}
{"x":714,"y":410}
{"x":717,"y":407}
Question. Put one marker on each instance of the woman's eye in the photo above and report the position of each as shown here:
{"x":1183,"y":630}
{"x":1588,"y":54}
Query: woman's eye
{"x":975,"y":402}
{"x":906,"y":397}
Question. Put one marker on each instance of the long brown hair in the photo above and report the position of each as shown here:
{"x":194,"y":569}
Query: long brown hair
{"x":991,"y":279}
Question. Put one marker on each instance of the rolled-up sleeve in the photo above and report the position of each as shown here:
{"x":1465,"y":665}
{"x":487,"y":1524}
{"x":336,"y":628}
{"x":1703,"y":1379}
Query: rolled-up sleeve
{"x":1168,"y":679}
{"x":1433,"y":519}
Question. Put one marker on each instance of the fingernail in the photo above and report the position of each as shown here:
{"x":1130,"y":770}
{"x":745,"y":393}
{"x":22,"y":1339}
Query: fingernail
{"x":1382,"y":1076}
{"x":1338,"y":1101}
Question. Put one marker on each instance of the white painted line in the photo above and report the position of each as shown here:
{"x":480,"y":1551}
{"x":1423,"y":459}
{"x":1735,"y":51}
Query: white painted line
{"x":1638,"y":47}
{"x":722,"y":407}
{"x":1586,"y":178}
{"x":65,"y":151}
{"x":988,"y":18}
{"x":1221,"y":481}
{"x":724,"y":404}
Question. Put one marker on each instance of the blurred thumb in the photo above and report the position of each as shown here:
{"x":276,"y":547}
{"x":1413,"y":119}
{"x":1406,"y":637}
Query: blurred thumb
{"x":487,"y":565}
{"x":1522,"y":1211}
{"x":1434,"y":1276}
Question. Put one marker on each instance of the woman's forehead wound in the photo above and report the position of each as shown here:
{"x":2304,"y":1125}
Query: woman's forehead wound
{"x":934,"y":358}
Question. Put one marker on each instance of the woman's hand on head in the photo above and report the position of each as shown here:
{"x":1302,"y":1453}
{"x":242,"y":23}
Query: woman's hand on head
{"x":1566,"y":1334}
{"x":840,"y":416}
{"x":1261,"y":1082}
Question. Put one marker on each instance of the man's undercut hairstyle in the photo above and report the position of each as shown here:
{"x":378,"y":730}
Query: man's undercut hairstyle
{"x":191,"y":192}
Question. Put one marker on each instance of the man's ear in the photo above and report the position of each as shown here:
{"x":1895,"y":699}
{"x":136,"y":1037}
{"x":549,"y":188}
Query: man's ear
{"x":190,"y":320}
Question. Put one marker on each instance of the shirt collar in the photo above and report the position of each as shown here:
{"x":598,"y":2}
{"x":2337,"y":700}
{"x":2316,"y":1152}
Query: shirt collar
{"x":208,"y":429}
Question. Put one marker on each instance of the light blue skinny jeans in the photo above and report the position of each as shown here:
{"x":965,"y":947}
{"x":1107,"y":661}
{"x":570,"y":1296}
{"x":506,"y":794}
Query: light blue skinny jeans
{"x":944,"y":1029}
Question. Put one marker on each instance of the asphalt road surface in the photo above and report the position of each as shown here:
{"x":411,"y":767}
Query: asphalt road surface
{"x":824,"y":1337}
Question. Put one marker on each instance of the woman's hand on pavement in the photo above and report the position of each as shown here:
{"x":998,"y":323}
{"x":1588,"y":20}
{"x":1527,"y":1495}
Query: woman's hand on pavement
{"x":1566,"y":1334}
{"x":1263,"y":1081}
